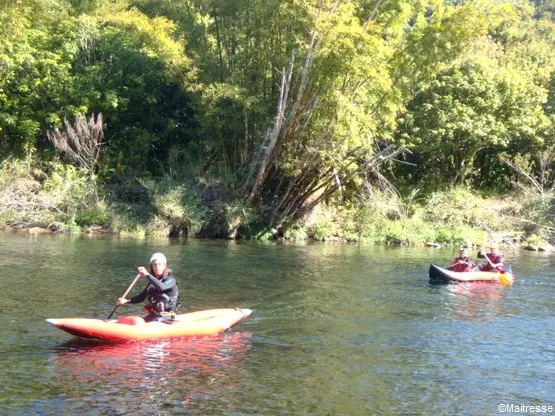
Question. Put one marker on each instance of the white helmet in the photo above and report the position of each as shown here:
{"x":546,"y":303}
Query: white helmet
{"x":158,"y":256}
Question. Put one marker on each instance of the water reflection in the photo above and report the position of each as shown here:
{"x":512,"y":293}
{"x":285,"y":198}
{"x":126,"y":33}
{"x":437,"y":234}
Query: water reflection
{"x":337,"y":330}
{"x":476,"y":302}
{"x":146,"y":375}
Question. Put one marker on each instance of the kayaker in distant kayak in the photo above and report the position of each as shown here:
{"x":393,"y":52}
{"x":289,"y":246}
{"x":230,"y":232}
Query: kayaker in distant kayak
{"x":495,"y":263}
{"x":463,"y":263}
{"x":161,"y":292}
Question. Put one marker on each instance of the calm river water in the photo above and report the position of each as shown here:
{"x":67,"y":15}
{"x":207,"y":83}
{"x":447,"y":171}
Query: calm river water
{"x":335,"y":330}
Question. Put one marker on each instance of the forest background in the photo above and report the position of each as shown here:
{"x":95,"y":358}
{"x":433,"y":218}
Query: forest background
{"x":387,"y":121}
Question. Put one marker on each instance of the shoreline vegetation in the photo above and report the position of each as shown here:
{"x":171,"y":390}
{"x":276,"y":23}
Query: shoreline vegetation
{"x":407,"y":122}
{"x":55,"y":197}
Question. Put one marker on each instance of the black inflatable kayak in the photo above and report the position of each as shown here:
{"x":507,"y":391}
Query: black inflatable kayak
{"x":439,"y":274}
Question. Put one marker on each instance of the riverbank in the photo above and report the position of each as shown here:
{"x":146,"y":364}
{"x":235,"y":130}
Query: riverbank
{"x":56,"y":197}
{"x":103,"y":231}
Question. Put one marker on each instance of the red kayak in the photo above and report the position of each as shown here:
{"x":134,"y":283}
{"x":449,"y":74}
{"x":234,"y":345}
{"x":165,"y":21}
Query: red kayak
{"x":134,"y":328}
{"x":441,"y":275}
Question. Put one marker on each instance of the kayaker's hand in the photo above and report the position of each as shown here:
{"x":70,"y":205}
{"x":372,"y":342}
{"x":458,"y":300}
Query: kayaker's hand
{"x":142,"y":271}
{"x":121,"y":301}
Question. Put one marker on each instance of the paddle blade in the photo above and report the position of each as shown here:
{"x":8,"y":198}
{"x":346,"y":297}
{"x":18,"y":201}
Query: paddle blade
{"x":111,"y":313}
{"x":504,"y":279}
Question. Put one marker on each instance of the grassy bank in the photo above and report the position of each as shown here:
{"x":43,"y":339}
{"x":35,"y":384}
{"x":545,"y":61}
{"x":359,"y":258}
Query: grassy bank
{"x":62,"y":197}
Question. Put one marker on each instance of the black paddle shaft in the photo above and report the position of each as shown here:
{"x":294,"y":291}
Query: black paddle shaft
{"x":125,"y":294}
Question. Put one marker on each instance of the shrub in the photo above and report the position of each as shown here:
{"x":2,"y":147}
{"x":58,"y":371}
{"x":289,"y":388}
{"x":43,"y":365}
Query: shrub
{"x":93,"y":216}
{"x":371,"y":226}
{"x":51,"y":194}
{"x":455,"y":207}
{"x":232,"y":220}
{"x":411,"y":231}
{"x":68,"y":188}
{"x":178,"y":205}
{"x":538,"y":214}
{"x":535,"y":240}
{"x":324,"y":228}
{"x":295,"y":233}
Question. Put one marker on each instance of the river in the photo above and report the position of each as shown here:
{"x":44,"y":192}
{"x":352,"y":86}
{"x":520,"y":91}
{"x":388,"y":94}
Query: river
{"x":336,"y":329}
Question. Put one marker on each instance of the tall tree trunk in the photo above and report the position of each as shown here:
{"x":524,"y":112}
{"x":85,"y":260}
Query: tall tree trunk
{"x":282,"y":123}
{"x":219,"y":42}
{"x":274,"y":134}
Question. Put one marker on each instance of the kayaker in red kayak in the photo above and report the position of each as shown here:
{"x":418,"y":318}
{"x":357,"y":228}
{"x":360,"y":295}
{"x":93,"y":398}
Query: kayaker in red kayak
{"x":495,"y":263}
{"x":161,"y":292}
{"x":463,"y":263}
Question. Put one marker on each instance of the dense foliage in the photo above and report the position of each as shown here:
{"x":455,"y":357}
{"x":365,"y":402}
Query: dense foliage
{"x":227,"y":118}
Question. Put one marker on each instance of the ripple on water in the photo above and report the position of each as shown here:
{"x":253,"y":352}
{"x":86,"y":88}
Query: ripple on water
{"x":335,"y":330}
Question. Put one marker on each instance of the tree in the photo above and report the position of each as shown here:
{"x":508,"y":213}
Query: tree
{"x":132,"y":69}
{"x":345,"y":96}
{"x":490,"y":101}
{"x":35,"y":75}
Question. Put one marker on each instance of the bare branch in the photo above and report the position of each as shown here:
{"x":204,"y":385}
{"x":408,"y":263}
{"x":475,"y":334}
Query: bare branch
{"x":268,"y":150}
{"x":524,"y":174}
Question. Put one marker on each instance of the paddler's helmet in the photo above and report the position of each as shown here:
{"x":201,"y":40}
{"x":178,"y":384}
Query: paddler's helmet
{"x":158,"y":256}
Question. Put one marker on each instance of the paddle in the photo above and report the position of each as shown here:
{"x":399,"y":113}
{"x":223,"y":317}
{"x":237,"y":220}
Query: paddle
{"x":501,"y":276}
{"x":125,"y":294}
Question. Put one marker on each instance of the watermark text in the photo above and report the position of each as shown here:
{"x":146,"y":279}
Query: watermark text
{"x":524,"y":408}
